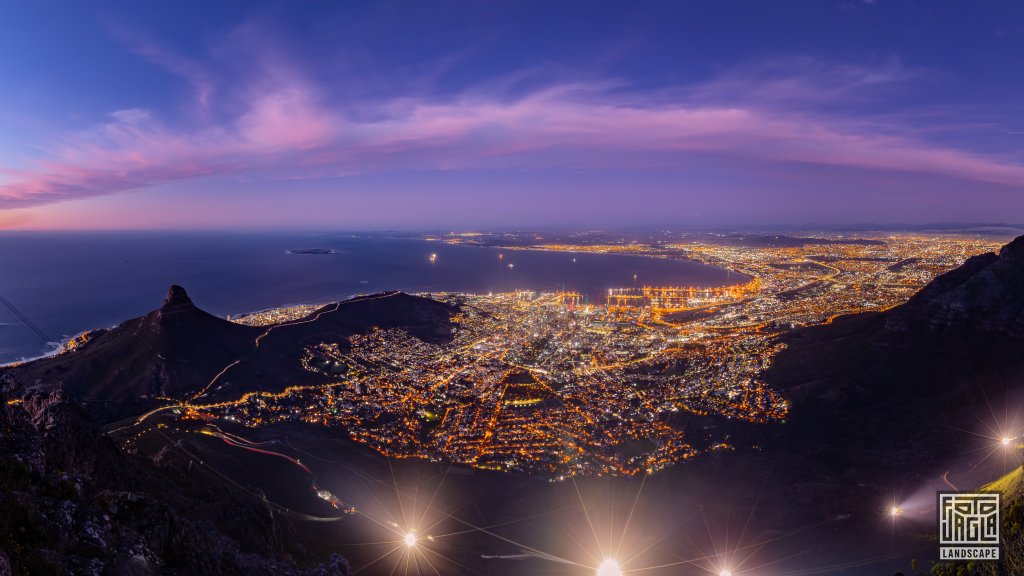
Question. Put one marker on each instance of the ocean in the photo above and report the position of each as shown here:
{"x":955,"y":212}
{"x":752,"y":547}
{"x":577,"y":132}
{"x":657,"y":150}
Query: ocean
{"x":66,"y":283}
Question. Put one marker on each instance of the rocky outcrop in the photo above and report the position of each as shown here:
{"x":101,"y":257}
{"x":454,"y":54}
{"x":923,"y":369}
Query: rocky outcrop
{"x":176,"y":299}
{"x":5,"y":565}
{"x":985,"y":295}
{"x":72,"y":503}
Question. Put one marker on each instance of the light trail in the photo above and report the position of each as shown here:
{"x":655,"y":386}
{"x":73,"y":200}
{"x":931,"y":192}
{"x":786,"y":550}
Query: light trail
{"x":256,"y":345}
{"x":294,"y":461}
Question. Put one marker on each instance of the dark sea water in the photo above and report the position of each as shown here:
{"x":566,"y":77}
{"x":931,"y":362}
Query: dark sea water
{"x":70,"y":282}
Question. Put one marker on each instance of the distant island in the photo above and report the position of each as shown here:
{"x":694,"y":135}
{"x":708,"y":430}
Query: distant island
{"x":312,"y":251}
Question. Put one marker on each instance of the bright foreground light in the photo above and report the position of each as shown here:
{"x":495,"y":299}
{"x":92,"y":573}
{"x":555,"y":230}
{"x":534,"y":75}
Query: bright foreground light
{"x":410,"y":539}
{"x":895,"y":511}
{"x":609,"y":568}
{"x":725,"y":573}
{"x":1006,"y":441}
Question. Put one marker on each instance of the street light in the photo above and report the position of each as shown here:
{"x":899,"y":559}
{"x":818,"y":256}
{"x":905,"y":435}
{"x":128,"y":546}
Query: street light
{"x":609,"y":568}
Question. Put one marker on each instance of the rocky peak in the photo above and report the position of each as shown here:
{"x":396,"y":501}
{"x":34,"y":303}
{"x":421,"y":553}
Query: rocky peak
{"x":176,"y":298}
{"x":177,"y":308}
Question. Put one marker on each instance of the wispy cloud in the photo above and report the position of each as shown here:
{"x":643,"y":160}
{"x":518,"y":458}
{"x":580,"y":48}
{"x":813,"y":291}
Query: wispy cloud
{"x":799,"y":80}
{"x":191,"y":70}
{"x":287,"y":127}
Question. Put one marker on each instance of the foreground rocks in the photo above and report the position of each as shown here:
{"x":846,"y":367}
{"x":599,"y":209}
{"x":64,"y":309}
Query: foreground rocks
{"x":72,"y":503}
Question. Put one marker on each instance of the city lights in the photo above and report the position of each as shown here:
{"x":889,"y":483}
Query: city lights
{"x":820,"y":372}
{"x":543,"y":383}
{"x":538,"y":340}
{"x":526,"y":370}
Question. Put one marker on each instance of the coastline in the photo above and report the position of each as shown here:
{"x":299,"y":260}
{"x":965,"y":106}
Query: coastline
{"x":240,"y":270}
{"x":680,"y":258}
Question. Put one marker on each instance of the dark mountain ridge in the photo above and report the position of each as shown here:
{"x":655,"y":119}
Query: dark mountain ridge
{"x":178,"y":349}
{"x":168,"y":352}
{"x":72,"y":502}
{"x":903,"y":384}
{"x":985,"y":295}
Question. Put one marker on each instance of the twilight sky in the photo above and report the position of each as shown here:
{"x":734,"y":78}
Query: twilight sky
{"x":463,"y":114}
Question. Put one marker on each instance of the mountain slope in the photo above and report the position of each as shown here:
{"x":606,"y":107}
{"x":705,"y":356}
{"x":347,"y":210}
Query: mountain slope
{"x":168,"y":352}
{"x":274,"y":364}
{"x":887,"y":407}
{"x":985,"y":295}
{"x":902,"y":385}
{"x":178,"y":350}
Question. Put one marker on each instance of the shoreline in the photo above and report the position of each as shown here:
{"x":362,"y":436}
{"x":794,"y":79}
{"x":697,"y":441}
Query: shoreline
{"x":53,"y":348}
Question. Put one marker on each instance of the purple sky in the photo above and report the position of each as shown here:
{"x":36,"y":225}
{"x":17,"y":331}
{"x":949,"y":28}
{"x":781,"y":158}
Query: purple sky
{"x":469,"y":115}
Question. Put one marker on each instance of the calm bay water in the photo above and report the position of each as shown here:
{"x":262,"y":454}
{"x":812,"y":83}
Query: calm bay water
{"x":70,"y":282}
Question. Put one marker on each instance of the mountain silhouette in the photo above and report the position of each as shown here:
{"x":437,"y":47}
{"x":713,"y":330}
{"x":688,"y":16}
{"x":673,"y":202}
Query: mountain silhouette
{"x":178,"y":349}
{"x":904,"y":384}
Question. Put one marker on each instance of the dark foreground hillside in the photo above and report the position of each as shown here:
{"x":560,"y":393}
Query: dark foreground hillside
{"x":905,"y":383}
{"x":72,"y":503}
{"x":904,"y":396}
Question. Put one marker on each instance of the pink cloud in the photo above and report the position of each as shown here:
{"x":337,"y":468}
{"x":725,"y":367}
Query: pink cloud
{"x":286,"y":130}
{"x":796,"y":80}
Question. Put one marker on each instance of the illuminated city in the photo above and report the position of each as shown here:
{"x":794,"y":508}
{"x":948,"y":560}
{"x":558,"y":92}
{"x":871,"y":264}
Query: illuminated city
{"x":527,"y":288}
{"x":548,"y":384}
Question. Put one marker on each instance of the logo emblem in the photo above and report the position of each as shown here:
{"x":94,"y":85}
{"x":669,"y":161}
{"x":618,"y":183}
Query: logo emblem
{"x":968,"y":526}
